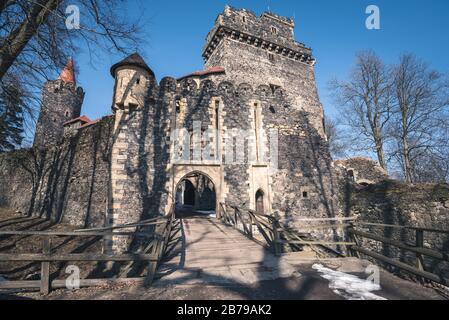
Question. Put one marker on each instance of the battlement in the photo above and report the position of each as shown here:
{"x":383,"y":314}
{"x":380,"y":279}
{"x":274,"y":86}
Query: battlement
{"x":59,"y":86}
{"x":268,"y":31}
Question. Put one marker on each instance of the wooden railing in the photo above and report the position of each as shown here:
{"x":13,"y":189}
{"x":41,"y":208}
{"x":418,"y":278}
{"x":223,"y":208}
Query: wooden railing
{"x":273,"y":234}
{"x":153,"y":253}
{"x":357,"y":233}
{"x":261,"y":228}
{"x":276,"y":237}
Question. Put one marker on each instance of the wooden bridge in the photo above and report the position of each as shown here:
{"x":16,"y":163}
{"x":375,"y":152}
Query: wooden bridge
{"x":247,"y":250}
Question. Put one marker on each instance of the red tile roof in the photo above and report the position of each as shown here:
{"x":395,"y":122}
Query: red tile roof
{"x":90,"y":123}
{"x":82,"y":119}
{"x":202,"y":73}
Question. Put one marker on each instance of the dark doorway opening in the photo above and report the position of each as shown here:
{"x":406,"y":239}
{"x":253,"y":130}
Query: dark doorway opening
{"x":259,"y":202}
{"x":189,"y":193}
{"x":195,"y":196}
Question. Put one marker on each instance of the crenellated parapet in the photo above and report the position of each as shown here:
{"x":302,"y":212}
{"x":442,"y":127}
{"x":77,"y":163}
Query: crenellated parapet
{"x":269,"y":32}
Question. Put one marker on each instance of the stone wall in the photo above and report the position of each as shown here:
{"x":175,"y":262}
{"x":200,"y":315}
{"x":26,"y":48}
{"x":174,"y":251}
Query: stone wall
{"x":67,"y":182}
{"x":391,"y":202}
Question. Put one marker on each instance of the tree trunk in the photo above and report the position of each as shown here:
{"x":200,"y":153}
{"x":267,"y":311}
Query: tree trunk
{"x":19,"y":38}
{"x":381,"y":155}
{"x":407,"y":164}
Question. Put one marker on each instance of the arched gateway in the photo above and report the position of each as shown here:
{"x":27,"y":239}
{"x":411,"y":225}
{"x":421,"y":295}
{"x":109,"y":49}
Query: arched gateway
{"x":195,"y":195}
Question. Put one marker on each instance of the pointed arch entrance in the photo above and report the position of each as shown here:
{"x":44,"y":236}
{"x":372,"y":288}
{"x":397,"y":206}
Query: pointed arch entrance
{"x":195,"y":195}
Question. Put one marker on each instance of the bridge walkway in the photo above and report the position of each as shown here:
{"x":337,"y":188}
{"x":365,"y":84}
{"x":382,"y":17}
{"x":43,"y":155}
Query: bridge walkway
{"x":206,"y":252}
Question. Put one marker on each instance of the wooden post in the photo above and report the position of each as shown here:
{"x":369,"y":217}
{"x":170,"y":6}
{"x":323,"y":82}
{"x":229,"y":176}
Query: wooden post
{"x":251,"y":222}
{"x":276,"y":238}
{"x":353,"y":238}
{"x":420,"y":244}
{"x":235,"y":218}
{"x":45,"y":267}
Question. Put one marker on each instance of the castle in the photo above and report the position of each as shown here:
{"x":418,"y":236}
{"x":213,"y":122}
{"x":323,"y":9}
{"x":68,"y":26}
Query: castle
{"x":254,"y":109}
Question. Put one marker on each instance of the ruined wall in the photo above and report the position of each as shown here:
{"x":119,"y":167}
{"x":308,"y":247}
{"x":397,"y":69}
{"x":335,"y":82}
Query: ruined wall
{"x":362,"y":170}
{"x":67,"y":182}
{"x":391,"y":202}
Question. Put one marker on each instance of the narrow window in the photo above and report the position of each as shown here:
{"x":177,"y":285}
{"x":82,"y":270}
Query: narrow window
{"x":256,"y":129}
{"x":305,"y":194}
{"x":274,"y":30}
{"x":217,"y":129}
{"x":272,"y":110}
{"x":244,"y":19}
{"x":217,"y":113}
{"x":138,"y":81}
{"x":351,"y":174}
{"x":271,"y":57}
{"x":274,"y":88}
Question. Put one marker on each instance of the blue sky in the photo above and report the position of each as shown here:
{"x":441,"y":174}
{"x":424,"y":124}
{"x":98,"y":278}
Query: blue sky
{"x":334,"y":29}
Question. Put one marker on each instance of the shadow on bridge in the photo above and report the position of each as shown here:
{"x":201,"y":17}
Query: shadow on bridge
{"x":205,"y":253}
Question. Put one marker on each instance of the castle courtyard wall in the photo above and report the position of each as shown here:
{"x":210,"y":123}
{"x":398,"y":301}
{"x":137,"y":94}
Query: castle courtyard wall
{"x":67,"y":182}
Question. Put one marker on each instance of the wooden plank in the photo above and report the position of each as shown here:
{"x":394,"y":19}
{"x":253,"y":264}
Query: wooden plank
{"x":327,"y":226}
{"x":73,"y":234}
{"x":126,"y":225}
{"x":45,"y":267}
{"x":403,"y":266}
{"x":61,"y":284}
{"x":25,"y":284}
{"x":424,"y":251}
{"x":322,"y":243}
{"x":131,"y":225}
{"x":261,"y":229}
{"x":31,"y":257}
{"x":337,"y":219}
{"x":402,"y":227}
{"x":245,"y":227}
{"x":276,"y":239}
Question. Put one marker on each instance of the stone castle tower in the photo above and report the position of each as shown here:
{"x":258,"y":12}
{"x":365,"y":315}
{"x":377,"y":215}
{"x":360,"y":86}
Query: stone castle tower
{"x":61,"y":102}
{"x":257,"y":80}
{"x":247,"y":130}
{"x":262,"y":51}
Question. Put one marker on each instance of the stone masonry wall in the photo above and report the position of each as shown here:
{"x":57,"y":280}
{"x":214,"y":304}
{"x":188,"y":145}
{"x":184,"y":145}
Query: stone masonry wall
{"x":67,"y":182}
{"x":391,"y":202}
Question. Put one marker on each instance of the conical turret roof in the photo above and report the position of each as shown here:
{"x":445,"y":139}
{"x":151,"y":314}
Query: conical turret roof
{"x":68,"y":73}
{"x":133,"y":60}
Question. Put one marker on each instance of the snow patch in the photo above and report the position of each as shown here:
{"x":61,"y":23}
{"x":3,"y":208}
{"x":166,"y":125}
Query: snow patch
{"x":349,"y":286}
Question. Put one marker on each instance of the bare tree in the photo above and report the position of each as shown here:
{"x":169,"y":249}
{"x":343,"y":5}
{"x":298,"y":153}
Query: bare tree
{"x":38,"y":29}
{"x":36,"y":40}
{"x":420,"y":119}
{"x":337,"y":145}
{"x":365,"y":100}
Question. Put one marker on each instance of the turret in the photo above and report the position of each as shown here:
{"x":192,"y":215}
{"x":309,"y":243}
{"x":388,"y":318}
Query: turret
{"x":133,"y":79}
{"x":61,"y":102}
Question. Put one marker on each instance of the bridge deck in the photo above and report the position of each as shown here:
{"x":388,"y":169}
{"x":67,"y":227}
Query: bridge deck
{"x":207,"y":253}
